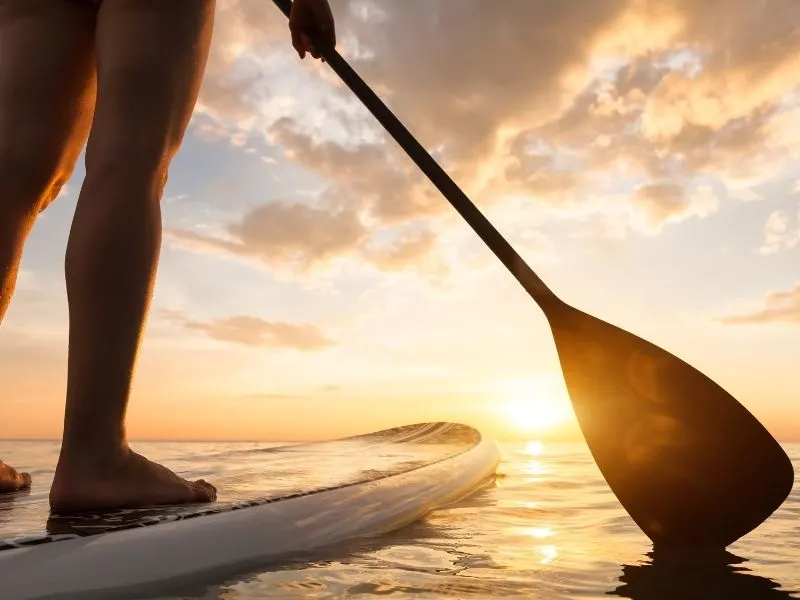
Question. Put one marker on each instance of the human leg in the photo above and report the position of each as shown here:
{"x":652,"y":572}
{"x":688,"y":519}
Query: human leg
{"x":150,"y":59}
{"x":46,"y":104}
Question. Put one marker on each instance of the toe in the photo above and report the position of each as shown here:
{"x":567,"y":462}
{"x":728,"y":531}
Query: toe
{"x":204,"y":491}
{"x":205,"y":483}
{"x":25,"y":479}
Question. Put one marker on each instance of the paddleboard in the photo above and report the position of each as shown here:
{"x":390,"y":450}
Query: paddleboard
{"x":288,"y":500}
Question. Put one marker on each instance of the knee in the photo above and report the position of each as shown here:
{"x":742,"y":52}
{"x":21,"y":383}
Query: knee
{"x":125,"y":168}
{"x":29,"y":176}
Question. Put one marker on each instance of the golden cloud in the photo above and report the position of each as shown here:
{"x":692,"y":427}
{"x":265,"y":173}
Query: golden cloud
{"x":545,"y":99}
{"x":253,"y":331}
{"x":778,"y":307}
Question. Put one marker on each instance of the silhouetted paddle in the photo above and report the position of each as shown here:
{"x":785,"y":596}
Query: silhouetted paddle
{"x":689,"y":463}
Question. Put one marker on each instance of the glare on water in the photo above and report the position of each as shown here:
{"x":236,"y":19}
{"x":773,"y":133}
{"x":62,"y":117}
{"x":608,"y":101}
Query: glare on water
{"x":549,"y":528}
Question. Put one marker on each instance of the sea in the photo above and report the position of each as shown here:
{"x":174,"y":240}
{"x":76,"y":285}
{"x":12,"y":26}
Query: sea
{"x":547,"y":528}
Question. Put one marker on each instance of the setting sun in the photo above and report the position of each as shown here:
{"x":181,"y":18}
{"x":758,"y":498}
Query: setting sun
{"x":534,"y":404}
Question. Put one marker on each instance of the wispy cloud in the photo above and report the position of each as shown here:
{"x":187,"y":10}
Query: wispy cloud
{"x":778,"y":307}
{"x":663,"y":203}
{"x":304,"y":237}
{"x":282,"y":232}
{"x":781,"y":232}
{"x":253,"y":331}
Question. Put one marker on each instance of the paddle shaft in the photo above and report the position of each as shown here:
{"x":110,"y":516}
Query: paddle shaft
{"x":449,"y":189}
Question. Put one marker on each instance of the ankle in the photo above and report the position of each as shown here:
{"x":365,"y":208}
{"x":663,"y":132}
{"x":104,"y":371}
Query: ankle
{"x":84,"y":456}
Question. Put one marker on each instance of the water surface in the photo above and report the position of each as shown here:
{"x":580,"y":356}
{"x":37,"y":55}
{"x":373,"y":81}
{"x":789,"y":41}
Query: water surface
{"x":549,"y":528}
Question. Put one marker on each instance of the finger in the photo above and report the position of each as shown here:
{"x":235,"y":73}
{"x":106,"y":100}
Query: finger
{"x":321,"y":23}
{"x":296,"y":30}
{"x":328,"y":25}
{"x":326,"y":32}
{"x":331,"y":29}
{"x":309,"y":45}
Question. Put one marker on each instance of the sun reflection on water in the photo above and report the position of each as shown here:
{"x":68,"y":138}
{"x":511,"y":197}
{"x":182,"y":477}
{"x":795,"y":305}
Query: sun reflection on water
{"x":534,"y":448}
{"x":538,"y":467}
{"x":535,"y":466}
{"x":539,"y":532}
{"x":549,"y":554}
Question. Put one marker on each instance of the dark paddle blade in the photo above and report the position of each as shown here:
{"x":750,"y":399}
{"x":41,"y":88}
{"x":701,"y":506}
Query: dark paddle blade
{"x":689,"y":463}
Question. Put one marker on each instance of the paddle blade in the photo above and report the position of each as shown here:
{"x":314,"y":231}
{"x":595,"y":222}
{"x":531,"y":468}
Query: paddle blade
{"x":687,"y":461}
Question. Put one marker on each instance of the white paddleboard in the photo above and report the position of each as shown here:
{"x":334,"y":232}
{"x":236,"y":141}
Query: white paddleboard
{"x":290,"y":499}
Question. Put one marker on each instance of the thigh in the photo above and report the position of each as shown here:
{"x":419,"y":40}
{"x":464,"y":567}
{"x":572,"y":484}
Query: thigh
{"x":151,"y":55}
{"x":46,"y":91}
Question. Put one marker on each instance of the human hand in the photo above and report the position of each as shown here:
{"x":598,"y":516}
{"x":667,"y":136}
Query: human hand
{"x":311,"y":16}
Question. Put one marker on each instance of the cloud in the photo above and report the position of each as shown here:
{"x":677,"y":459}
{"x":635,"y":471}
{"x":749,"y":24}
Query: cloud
{"x":716,"y":113}
{"x":750,"y":60}
{"x":559,"y":100}
{"x":253,"y":331}
{"x":302,"y":238}
{"x":778,"y":307}
{"x":410,"y":249}
{"x":532,"y":168}
{"x":233,"y":84}
{"x":647,"y":209}
{"x":366,"y":176}
{"x":779,"y":234}
{"x":539,"y":55}
{"x":283,"y":233}
{"x":662,"y":203}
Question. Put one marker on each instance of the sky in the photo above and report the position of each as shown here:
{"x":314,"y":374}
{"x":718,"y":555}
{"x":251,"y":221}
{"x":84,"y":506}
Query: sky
{"x":642,"y":156}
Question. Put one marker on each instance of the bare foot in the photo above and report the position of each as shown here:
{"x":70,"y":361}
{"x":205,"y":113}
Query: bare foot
{"x":11,"y":480}
{"x":130,"y":481}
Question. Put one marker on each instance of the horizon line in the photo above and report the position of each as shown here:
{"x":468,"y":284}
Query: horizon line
{"x":519,"y":439}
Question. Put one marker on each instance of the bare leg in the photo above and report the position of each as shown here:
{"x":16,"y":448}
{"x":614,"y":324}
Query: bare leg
{"x":150,"y":59}
{"x":46,"y":104}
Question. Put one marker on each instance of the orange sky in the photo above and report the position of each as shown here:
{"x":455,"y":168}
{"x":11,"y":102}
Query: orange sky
{"x":644,"y":158}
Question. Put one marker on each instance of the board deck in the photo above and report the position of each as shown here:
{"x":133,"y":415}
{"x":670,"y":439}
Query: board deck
{"x":276,"y":488}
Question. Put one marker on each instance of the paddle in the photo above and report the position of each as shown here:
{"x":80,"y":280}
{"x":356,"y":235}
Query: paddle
{"x":689,"y":463}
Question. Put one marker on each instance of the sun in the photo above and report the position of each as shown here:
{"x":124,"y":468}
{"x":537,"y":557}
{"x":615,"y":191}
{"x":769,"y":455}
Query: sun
{"x":532,"y":405}
{"x":534,"y":414}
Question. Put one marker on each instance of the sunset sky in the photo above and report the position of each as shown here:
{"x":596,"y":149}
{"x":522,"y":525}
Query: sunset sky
{"x":642,"y":156}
